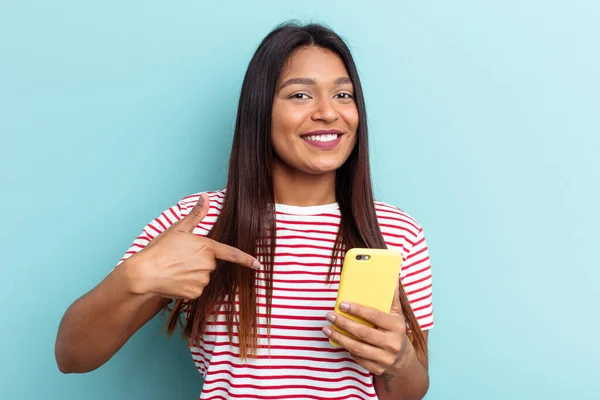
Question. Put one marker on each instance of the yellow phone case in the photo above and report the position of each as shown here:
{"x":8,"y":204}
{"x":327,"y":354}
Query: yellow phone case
{"x":371,"y":282}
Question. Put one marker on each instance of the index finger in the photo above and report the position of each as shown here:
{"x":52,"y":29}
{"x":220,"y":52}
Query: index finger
{"x":380,"y":319}
{"x":231,"y":254}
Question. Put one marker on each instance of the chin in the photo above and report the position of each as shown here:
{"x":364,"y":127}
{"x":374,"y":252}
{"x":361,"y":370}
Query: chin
{"x":323,"y":168}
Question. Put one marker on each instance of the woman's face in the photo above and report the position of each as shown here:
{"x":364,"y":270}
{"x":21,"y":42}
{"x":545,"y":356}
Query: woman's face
{"x":315,"y":118}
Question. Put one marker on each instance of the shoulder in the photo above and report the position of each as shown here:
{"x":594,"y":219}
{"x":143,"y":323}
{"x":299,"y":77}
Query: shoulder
{"x":182,"y":209}
{"x":175,"y":213}
{"x":215,"y":198}
{"x":399,"y":229}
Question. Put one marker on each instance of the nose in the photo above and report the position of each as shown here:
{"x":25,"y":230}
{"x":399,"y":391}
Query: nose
{"x":325,"y":111}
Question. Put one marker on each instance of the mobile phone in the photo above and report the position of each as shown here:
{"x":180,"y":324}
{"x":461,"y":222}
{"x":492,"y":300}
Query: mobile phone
{"x":369,"y":277}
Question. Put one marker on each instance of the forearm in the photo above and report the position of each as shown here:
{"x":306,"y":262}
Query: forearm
{"x":408,"y":381}
{"x":97,"y":325}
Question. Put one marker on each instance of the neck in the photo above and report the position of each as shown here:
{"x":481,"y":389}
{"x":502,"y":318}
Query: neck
{"x":296,"y":188}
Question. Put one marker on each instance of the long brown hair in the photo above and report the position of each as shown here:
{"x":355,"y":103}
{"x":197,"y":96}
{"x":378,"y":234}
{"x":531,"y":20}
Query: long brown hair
{"x":247,"y":218}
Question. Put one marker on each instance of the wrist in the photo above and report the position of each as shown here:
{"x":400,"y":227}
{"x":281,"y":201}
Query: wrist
{"x":405,"y":358}
{"x":134,"y":275}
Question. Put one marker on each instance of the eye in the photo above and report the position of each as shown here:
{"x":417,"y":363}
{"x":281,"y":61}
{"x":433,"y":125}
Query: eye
{"x":344,"y":96}
{"x":299,"y":96}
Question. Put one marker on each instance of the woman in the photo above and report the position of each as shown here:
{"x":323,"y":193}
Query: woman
{"x":255,"y":267}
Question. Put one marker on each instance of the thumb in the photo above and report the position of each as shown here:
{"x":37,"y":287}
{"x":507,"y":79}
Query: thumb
{"x":196,"y":215}
{"x":396,"y":306}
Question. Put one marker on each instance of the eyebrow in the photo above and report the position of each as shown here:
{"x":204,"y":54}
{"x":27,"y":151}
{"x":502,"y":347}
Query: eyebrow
{"x":344,"y":80}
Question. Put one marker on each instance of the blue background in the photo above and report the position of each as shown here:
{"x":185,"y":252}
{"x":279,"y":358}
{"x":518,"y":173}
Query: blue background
{"x":485,"y":127}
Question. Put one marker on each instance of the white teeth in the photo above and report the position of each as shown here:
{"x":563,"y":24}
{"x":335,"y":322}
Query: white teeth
{"x":322,"y":138}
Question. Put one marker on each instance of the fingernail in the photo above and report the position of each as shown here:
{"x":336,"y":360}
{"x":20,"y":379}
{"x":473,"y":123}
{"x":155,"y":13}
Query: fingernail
{"x":256,"y":264}
{"x":330,"y":317}
{"x":344,"y":306}
{"x":327,"y":331}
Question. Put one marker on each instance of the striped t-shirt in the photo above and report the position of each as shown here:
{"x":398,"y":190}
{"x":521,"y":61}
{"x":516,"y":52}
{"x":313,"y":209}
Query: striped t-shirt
{"x":300,"y":364}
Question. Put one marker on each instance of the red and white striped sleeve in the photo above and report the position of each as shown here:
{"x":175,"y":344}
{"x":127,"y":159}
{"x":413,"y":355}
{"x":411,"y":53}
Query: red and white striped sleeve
{"x":415,"y":277}
{"x":173,"y":214}
{"x":153,"y":229}
{"x":157,"y":226}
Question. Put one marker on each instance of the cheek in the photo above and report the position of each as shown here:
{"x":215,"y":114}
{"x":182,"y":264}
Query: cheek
{"x":351,"y":117}
{"x":352,"y":120}
{"x":286,"y":120}
{"x":284,"y":124}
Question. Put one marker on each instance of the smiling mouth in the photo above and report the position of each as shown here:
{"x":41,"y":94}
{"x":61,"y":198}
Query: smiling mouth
{"x":324,"y":139}
{"x":330,"y":137}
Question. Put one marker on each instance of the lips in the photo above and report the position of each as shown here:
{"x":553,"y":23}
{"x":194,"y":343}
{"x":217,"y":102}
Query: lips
{"x":323,"y":139}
